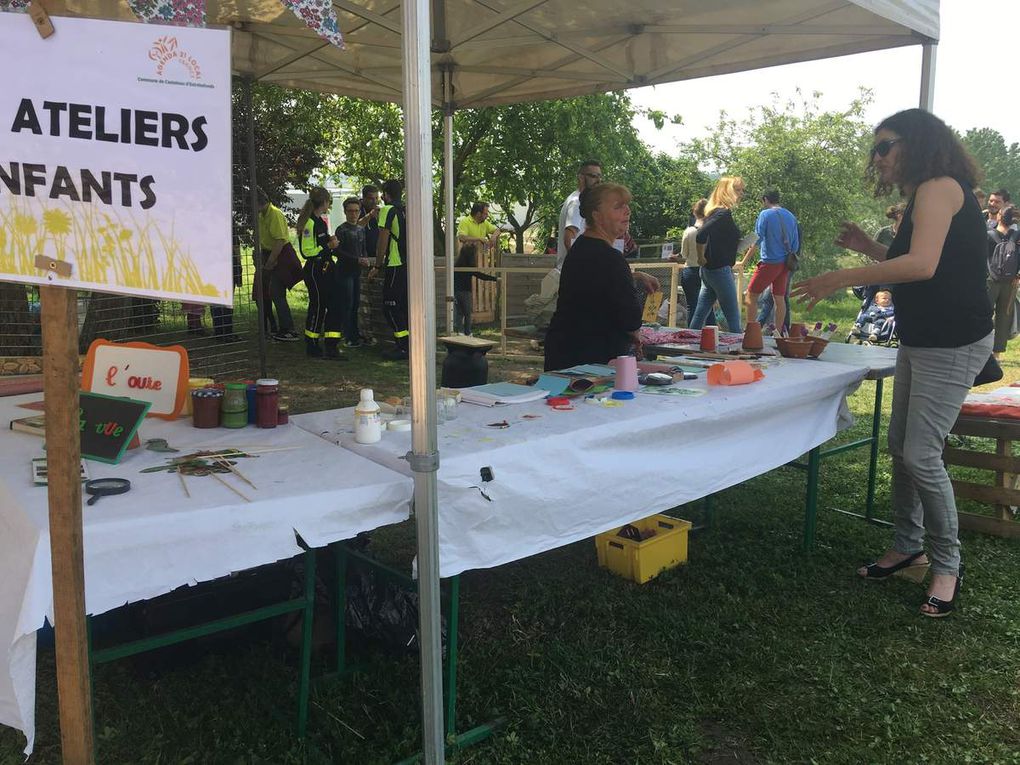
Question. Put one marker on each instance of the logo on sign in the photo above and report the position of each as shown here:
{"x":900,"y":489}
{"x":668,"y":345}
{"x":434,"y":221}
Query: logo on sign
{"x":165,"y":50}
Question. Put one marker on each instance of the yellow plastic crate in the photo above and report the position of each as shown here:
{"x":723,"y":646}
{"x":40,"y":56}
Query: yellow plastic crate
{"x":641,"y":561}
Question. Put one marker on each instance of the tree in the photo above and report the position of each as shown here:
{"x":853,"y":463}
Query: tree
{"x":814,"y":157}
{"x":1000,"y":163}
{"x":292,"y":134}
{"x":523,"y":155}
{"x":664,"y":188}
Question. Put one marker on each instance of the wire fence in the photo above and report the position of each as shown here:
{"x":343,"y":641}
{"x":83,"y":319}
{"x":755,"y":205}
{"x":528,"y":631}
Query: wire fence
{"x":222,"y":342}
{"x":219,"y":340}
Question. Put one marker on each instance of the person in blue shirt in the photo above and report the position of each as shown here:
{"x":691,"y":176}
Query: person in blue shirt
{"x":778,"y":235}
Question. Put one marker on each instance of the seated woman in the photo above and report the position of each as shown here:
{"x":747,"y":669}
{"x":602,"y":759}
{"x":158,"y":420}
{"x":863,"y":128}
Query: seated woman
{"x":599,"y":310}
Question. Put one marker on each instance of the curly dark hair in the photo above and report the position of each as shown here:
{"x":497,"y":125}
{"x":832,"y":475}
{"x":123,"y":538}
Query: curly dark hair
{"x":929,"y":149}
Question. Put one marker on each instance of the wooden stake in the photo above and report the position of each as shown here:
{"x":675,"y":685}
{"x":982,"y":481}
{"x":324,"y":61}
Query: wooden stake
{"x":184,"y":484}
{"x":217,"y":477}
{"x":63,"y":460}
{"x":236,"y":472}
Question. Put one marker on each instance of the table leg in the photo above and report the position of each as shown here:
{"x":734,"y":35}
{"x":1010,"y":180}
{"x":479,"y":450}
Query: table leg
{"x":306,"y":643}
{"x":451,"y":658}
{"x":811,"y":505}
{"x":340,"y":561}
{"x":876,"y":427}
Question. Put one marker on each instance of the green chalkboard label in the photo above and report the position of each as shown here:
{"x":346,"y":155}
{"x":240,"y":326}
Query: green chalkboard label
{"x":107,"y":425}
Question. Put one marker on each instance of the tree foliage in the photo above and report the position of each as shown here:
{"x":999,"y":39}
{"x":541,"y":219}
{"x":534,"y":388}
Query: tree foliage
{"x":521,"y":157}
{"x":291,"y":143}
{"x":1000,"y":163}
{"x":814,"y":157}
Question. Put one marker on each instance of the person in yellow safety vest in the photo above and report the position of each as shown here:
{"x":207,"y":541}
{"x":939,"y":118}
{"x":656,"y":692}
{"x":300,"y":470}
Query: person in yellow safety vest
{"x":391,"y":258}
{"x":316,"y":246}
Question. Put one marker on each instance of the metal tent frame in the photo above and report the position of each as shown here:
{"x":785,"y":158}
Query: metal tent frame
{"x":490,"y":52}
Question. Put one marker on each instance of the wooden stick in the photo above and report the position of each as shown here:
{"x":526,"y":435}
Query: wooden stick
{"x":217,"y":477}
{"x":63,"y":461}
{"x":183,"y":484}
{"x":236,"y":472}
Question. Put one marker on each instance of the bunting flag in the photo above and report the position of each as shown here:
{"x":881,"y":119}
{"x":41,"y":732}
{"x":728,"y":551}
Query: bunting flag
{"x":320,"y":16}
{"x":14,"y":5}
{"x":181,"y":13}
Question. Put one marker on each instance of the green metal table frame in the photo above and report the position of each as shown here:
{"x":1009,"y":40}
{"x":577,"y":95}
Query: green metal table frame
{"x":343,"y":554}
{"x":304,"y":604}
{"x":814,"y":459}
{"x":813,"y":468}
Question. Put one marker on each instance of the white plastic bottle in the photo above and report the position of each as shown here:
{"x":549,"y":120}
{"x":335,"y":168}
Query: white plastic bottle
{"x":367,"y":421}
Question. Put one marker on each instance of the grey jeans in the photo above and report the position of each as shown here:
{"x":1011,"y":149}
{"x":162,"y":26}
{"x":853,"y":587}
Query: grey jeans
{"x":1001,"y":295}
{"x":928,"y":391}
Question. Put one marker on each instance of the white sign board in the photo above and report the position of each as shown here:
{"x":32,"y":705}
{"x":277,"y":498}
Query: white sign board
{"x":115,"y":157}
{"x":667,"y":251}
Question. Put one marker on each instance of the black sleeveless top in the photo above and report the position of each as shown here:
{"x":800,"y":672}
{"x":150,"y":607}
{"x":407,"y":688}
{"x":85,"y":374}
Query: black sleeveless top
{"x":951,"y":309}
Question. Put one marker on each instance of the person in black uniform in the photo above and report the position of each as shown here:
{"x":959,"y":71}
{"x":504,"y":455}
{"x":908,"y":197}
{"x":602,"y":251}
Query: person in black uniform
{"x":937,"y":264}
{"x":599,"y":310}
{"x":391,"y":259}
{"x":316,"y":246}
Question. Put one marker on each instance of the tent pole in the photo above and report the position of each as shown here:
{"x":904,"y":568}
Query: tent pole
{"x":424,"y":456}
{"x":451,"y":219}
{"x":249,"y":110}
{"x":928,"y":55}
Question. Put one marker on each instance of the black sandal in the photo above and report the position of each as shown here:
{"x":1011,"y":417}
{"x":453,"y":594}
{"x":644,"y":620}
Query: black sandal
{"x":906,"y":568}
{"x":943,"y":607}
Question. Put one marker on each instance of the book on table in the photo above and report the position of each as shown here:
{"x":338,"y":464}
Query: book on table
{"x":502,"y":393}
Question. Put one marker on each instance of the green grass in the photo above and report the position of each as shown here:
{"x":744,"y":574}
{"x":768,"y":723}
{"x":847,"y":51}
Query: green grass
{"x":752,"y":653}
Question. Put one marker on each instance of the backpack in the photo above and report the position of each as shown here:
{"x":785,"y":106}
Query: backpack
{"x":1004,"y":261}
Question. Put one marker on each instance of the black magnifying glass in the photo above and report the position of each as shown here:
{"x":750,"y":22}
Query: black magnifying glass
{"x":105,"y":487}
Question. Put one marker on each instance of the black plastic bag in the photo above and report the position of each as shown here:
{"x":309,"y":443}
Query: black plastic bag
{"x":381,"y":611}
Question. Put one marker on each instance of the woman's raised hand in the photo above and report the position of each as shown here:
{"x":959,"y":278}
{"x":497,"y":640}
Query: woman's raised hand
{"x":853,"y":237}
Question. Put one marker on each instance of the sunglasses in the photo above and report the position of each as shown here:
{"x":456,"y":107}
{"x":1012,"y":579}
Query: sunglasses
{"x":882,"y":148}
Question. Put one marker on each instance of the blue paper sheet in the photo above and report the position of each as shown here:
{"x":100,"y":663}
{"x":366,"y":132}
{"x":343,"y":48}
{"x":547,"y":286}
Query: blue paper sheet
{"x":552,"y":383}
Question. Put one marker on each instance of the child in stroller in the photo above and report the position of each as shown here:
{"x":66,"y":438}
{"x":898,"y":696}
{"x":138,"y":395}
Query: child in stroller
{"x":876,"y":322}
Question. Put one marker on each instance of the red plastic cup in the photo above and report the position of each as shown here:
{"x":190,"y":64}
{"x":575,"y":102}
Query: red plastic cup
{"x":709,"y":339}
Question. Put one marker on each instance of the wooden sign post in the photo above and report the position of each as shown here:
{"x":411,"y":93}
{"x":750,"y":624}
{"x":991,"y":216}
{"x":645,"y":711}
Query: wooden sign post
{"x":63,"y":453}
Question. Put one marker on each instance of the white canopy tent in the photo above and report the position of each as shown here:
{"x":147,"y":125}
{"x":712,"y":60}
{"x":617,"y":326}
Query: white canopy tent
{"x":487,"y":52}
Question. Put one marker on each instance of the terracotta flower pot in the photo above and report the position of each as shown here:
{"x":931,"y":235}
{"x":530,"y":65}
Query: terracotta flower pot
{"x":752,"y":337}
{"x":818,"y":345}
{"x":793,"y":348}
{"x":797,"y":330}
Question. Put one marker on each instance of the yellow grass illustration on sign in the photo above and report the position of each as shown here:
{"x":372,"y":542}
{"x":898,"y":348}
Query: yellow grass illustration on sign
{"x":106,"y":248}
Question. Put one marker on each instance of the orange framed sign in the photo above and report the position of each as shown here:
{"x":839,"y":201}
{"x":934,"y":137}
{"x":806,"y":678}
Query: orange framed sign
{"x":142,"y":371}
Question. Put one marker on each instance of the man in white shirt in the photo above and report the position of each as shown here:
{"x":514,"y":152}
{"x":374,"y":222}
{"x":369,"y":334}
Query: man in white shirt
{"x":589,"y":173}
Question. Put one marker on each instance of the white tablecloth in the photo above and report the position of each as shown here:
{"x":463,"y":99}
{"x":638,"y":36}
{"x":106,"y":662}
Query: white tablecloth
{"x":153,"y":539}
{"x":571,"y":474}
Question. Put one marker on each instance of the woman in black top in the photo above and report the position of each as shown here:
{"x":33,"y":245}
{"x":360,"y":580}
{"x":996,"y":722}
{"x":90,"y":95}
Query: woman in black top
{"x":721,"y":237}
{"x":598,"y":311}
{"x":937,"y":265}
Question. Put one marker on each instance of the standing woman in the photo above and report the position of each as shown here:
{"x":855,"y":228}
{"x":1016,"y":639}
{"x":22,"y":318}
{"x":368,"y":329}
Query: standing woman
{"x":316,"y":244}
{"x":721,"y":237}
{"x":598,"y":311}
{"x":937,"y":265}
{"x":693,"y":260}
